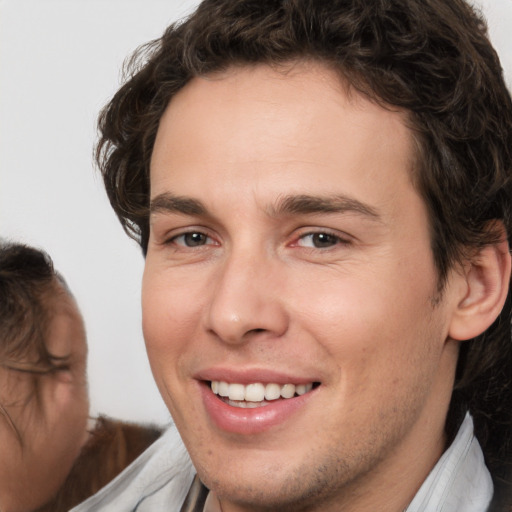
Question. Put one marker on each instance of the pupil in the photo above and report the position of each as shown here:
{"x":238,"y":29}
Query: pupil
{"x":323,"y":240}
{"x":194,"y":239}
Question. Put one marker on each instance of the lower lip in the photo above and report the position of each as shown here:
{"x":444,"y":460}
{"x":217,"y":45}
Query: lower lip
{"x":239,"y":420}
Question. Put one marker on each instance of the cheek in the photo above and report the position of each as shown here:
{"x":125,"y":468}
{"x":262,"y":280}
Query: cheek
{"x":171,"y":316}
{"x":166,"y":308}
{"x":64,"y":419}
{"x":371,"y":325}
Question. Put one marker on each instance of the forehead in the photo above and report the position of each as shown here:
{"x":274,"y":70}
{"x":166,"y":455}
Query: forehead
{"x":298,"y":120}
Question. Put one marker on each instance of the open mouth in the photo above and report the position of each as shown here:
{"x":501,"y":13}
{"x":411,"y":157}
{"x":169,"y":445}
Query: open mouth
{"x":258,"y":394}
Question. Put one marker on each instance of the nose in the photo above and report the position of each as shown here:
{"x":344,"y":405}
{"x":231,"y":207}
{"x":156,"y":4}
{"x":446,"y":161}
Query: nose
{"x":247,"y":300}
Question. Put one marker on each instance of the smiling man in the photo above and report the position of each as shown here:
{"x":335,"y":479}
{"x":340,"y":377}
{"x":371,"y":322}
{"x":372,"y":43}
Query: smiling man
{"x":322,"y":191}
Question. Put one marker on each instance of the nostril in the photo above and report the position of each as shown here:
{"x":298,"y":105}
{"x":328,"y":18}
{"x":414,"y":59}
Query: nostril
{"x":255,"y":331}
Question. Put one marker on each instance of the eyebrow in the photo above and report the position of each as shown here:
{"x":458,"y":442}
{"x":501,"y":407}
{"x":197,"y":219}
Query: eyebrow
{"x":286,"y":205}
{"x":307,"y":204}
{"x":170,"y":203}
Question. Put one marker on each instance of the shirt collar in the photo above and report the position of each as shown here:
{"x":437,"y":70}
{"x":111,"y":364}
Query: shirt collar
{"x":460,"y":481}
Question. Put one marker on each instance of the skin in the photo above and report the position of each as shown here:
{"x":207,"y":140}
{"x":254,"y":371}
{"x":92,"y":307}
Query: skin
{"x":356,"y":310}
{"x":53,"y":429}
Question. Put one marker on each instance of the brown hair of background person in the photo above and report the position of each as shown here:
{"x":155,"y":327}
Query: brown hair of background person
{"x":47,"y":449}
{"x":431,"y":58}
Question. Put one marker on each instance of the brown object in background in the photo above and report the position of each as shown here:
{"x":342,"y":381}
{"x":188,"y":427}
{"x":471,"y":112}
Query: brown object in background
{"x":112,"y":446}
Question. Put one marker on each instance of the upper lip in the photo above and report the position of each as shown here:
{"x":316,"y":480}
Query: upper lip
{"x":252,"y":375}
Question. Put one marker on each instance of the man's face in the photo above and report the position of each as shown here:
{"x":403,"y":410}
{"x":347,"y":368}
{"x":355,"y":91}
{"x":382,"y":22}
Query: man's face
{"x":289,"y":251}
{"x":52,"y":423}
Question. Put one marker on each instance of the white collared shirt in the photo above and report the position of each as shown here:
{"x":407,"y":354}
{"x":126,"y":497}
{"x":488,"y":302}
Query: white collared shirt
{"x":160,"y":478}
{"x":460,"y":481}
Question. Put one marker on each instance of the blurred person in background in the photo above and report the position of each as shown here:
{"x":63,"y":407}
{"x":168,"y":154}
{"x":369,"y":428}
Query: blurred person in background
{"x":52,"y":455}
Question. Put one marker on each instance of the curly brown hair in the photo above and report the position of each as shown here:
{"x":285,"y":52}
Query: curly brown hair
{"x":431,"y":58}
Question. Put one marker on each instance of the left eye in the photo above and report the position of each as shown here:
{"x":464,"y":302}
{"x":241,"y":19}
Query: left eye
{"x":319,"y":240}
{"x":192,"y":239}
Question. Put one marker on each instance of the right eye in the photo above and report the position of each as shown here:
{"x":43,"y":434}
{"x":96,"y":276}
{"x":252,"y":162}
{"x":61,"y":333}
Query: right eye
{"x":192,"y":239}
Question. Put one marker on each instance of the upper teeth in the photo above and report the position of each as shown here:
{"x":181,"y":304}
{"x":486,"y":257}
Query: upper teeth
{"x":258,"y":392}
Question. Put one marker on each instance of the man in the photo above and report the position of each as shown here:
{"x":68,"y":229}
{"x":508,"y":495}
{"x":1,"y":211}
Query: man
{"x":52,"y":455}
{"x":322,"y":194}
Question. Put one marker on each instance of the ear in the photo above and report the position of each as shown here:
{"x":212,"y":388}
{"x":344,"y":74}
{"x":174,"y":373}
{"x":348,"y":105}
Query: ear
{"x":487,"y":279}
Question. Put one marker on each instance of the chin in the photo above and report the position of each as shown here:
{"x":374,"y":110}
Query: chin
{"x":270,"y":487}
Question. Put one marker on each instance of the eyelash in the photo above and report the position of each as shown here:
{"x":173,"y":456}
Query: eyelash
{"x":174,"y":239}
{"x":334,"y":239}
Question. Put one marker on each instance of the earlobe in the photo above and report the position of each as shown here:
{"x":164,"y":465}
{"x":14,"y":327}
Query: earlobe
{"x":487,"y":281}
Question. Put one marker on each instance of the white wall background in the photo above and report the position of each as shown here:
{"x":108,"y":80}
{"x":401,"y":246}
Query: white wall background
{"x":60,"y":62}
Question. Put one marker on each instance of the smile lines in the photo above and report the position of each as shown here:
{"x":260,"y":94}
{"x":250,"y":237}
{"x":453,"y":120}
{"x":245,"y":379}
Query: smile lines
{"x":258,"y":392}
